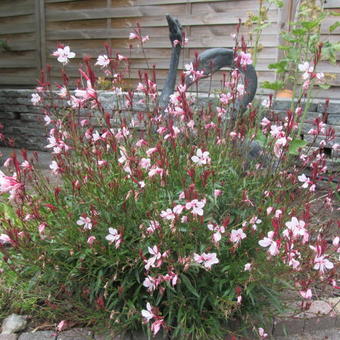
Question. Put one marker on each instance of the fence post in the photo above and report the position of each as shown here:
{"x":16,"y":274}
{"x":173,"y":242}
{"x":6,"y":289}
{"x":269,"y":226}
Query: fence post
{"x":40,"y":33}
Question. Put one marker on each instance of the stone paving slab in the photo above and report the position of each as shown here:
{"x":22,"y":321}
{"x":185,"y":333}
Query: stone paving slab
{"x":328,"y":334}
{"x":8,"y":336}
{"x":45,"y":158}
{"x":75,"y":334}
{"x":41,"y":335}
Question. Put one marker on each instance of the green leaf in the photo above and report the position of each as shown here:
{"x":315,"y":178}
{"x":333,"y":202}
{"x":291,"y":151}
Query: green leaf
{"x":277,"y":85}
{"x":299,"y":31}
{"x":280,"y":66}
{"x":261,"y":138}
{"x":289,"y":37}
{"x":189,"y":286}
{"x":335,"y":14}
{"x":278,"y":3}
{"x":310,"y":24}
{"x":295,"y":145}
{"x":334,"y":26}
{"x":324,"y":86}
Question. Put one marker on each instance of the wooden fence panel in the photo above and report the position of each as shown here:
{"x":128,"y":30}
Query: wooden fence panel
{"x":85,"y":26}
{"x":332,"y":71}
{"x":19,"y":55}
{"x":33,"y":28}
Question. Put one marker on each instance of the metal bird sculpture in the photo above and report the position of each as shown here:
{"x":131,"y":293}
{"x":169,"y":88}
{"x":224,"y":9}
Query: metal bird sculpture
{"x":209,"y":62}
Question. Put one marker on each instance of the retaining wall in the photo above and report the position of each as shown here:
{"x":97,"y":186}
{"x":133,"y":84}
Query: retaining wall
{"x":23,"y":122}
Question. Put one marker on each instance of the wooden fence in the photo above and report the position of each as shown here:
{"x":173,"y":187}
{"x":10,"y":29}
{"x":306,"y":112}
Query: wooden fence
{"x":32,"y":29}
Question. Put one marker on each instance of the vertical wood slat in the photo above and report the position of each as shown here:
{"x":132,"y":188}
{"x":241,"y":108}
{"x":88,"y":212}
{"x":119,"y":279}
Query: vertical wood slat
{"x":40,"y":34}
{"x":286,"y":14}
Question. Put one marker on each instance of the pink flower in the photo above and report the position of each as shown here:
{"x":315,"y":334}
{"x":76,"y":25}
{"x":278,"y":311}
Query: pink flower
{"x":196,"y":206}
{"x":153,"y":226}
{"x":155,"y":326}
{"x":62,"y":92}
{"x":133,"y":36}
{"x":11,"y":185}
{"x":145,"y":163}
{"x":155,"y":260}
{"x":151,"y":151}
{"x":266,"y":104}
{"x":255,"y":221}
{"x":114,"y":236}
{"x":146,"y":38}
{"x":201,"y":158}
{"x":237,"y":236}
{"x":247,"y":267}
{"x":207,"y":259}
{"x":276,"y":131}
{"x":244,"y":58}
{"x":321,"y":263}
{"x":150,"y":283}
{"x":155,"y":170}
{"x":306,"y":181}
{"x":262,"y":334}
{"x":240,"y":90}
{"x":64,"y":54}
{"x":103,"y":61}
{"x":306,"y":294}
{"x":91,"y":240}
{"x":217,"y":192}
{"x":168,"y":214}
{"x":177,"y":209}
{"x":269,"y":242}
{"x":26,"y":165}
{"x":278,"y":146}
{"x":5,"y":239}
{"x":296,"y":228}
{"x":218,"y":231}
{"x":62,"y":325}
{"x":86,"y":222}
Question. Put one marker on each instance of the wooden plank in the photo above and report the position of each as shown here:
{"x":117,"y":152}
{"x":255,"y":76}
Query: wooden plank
{"x":40,"y":33}
{"x":332,"y":4}
{"x":103,"y":13}
{"x":245,"y":6}
{"x":14,"y":29}
{"x":166,"y":2}
{"x":8,"y":9}
{"x":203,"y":20}
{"x":18,"y":62}
{"x":153,"y":15}
{"x":17,"y":77}
{"x":329,"y":21}
{"x":78,"y":5}
{"x":20,"y":45}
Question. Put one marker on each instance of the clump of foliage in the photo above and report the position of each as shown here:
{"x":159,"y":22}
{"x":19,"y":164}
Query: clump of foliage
{"x":166,"y":220}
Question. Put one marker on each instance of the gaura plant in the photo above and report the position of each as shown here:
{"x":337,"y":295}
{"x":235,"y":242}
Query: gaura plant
{"x":166,"y":218}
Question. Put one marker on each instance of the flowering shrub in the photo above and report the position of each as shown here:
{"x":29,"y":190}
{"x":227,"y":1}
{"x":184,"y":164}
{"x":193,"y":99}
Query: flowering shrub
{"x":166,"y":222}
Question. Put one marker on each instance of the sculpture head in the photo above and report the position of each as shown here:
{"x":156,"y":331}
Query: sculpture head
{"x":175,"y":29}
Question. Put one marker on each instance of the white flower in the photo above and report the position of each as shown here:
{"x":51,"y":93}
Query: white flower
{"x":64,"y":54}
{"x":321,"y":263}
{"x":207,"y":259}
{"x":114,"y":236}
{"x":35,"y":99}
{"x":103,"y":61}
{"x":201,"y":158}
{"x":86,"y":222}
{"x":237,"y":235}
{"x":147,"y":314}
{"x":269,"y":242}
{"x":55,"y":167}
